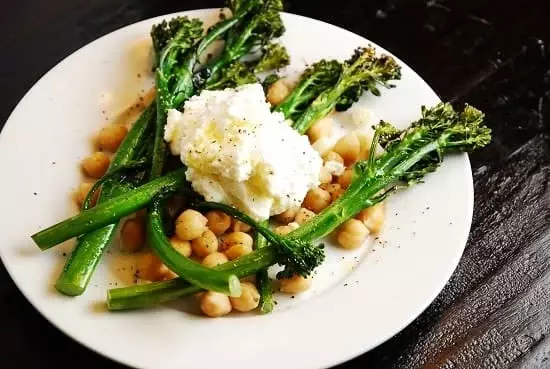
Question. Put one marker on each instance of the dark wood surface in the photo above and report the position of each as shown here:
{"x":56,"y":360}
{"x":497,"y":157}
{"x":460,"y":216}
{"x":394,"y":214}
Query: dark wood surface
{"x":495,"y":310}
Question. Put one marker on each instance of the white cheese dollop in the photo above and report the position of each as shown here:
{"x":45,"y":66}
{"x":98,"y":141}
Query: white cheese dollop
{"x":240,"y":153}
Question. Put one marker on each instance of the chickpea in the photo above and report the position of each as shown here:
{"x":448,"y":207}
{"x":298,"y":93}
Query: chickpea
{"x":277,"y":92}
{"x":320,"y":129}
{"x":335,"y":190}
{"x":236,"y":238}
{"x":373,"y":217}
{"x":183,"y":247}
{"x":287,"y":216}
{"x":110,"y":137}
{"x":294,"y":284}
{"x":348,"y":148}
{"x":235,"y":252}
{"x":239,"y":226}
{"x":352,"y":234}
{"x":249,"y":299}
{"x":206,"y":244}
{"x":150,"y":267}
{"x":345,"y":179}
{"x":215,"y":304}
{"x":218,"y":222}
{"x":190,"y":224}
{"x":286,"y":229}
{"x":322,"y":145}
{"x":214,"y":259}
{"x":96,"y":165}
{"x":332,"y":156}
{"x":316,"y":200}
{"x":82,"y":193}
{"x":132,"y":234}
{"x":324,"y":175}
{"x":304,"y":215}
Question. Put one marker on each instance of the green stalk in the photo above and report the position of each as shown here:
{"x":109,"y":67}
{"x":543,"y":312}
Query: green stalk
{"x":146,"y":295}
{"x":109,"y":211}
{"x":193,"y":272}
{"x":319,"y":109}
{"x":80,"y":265}
{"x":263,"y":283}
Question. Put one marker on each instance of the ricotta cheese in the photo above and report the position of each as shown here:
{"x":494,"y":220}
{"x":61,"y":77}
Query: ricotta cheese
{"x":240,"y":153}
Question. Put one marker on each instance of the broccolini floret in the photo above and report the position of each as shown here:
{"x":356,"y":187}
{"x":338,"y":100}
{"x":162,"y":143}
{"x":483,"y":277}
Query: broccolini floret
{"x":364,"y":71}
{"x":317,"y":78}
{"x":163,"y":32}
{"x":240,"y":73}
{"x":274,"y":56}
{"x":298,"y":256}
{"x":250,"y":36}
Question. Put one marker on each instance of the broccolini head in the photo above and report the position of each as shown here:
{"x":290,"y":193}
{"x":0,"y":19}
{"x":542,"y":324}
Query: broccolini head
{"x":274,"y":56}
{"x":236,"y":74}
{"x":190,"y":31}
{"x":459,"y":131}
{"x":363,"y":72}
{"x":267,"y":25}
{"x":441,"y":130}
{"x":317,"y":78}
{"x":298,"y":256}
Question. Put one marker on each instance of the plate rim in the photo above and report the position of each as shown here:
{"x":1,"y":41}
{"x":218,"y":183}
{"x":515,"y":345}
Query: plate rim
{"x":469,"y":191}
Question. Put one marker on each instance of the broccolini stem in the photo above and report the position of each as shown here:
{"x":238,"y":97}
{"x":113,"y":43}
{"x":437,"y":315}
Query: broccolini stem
{"x":109,"y":211}
{"x":262,"y":278}
{"x":147,"y":295}
{"x":80,"y":265}
{"x":193,"y":272}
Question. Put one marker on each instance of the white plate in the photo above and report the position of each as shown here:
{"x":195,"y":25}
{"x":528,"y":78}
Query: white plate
{"x":359,"y":300}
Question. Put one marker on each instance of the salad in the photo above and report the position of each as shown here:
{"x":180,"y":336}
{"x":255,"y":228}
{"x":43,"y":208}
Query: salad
{"x":231,"y":168}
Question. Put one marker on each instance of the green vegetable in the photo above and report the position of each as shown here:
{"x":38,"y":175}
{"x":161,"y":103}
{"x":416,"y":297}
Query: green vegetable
{"x":262,"y":278}
{"x":186,"y":268}
{"x":80,"y":265}
{"x":364,"y":71}
{"x":173,"y":77}
{"x":145,"y":295}
{"x":409,"y":156}
{"x":298,"y":256}
{"x":274,"y":56}
{"x":317,"y":78}
{"x":235,"y":74}
{"x":110,"y":211}
{"x":264,"y":25}
{"x":241,"y":73}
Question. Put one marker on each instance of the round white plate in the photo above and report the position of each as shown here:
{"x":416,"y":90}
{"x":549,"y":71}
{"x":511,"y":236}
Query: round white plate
{"x":359,"y":299}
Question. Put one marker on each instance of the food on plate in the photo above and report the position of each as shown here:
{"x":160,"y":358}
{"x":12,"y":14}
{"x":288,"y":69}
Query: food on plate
{"x":258,"y":175}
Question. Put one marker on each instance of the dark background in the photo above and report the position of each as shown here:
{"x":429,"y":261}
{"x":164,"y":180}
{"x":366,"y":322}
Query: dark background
{"x":495,"y":311}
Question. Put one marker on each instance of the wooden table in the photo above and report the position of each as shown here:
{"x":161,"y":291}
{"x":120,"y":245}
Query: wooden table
{"x":495,"y":310}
